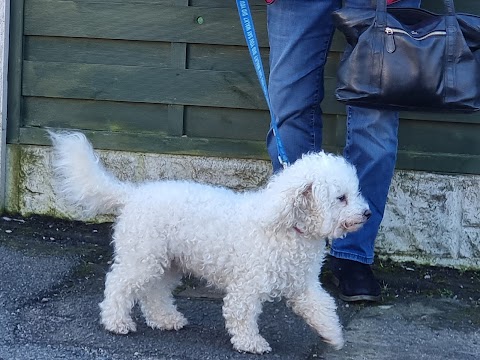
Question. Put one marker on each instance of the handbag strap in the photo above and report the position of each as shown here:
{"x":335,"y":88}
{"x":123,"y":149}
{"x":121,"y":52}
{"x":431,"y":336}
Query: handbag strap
{"x":381,"y":12}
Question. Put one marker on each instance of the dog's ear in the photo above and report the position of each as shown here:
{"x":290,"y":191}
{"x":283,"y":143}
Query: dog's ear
{"x":303,"y":197}
{"x":294,"y":206}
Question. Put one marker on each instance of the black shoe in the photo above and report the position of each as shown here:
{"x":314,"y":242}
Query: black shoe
{"x":355,"y":280}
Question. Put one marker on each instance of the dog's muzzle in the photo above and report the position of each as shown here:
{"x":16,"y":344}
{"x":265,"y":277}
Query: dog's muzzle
{"x":357,"y":223}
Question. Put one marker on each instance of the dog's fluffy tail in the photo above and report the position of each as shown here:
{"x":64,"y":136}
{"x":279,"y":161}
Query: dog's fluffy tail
{"x":81,"y":180}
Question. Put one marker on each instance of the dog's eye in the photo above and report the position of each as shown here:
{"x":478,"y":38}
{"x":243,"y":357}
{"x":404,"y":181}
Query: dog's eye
{"x":342,"y":198}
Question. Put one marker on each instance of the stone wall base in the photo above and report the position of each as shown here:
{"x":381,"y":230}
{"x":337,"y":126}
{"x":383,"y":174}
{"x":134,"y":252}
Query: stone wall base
{"x":430,"y":218}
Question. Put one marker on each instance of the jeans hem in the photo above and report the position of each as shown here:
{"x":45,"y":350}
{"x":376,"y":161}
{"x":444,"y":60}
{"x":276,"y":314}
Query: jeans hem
{"x":351,"y":256}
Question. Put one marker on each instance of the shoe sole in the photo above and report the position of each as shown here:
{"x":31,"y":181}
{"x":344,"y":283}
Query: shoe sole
{"x":355,"y":298}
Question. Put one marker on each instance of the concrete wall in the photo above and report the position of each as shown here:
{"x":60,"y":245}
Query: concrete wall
{"x":430,"y":218}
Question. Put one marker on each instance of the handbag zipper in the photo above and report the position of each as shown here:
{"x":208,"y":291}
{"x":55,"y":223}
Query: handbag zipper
{"x":390,"y":44}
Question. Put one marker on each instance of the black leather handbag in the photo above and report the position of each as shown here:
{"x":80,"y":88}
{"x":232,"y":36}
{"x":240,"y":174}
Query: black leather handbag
{"x":409,"y":59}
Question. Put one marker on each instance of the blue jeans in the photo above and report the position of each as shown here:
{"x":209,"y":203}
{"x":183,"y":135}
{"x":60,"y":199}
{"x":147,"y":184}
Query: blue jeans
{"x":300,"y":34}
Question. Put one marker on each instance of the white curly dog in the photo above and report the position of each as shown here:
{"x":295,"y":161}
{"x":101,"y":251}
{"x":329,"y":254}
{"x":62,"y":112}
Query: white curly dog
{"x":256,"y":246}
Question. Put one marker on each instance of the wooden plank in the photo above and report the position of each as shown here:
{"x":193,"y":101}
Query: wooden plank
{"x":14,"y":106}
{"x":442,"y":117}
{"x":153,"y":143}
{"x":439,"y":137}
{"x":240,"y":124}
{"x":178,"y":55}
{"x":218,"y":57}
{"x":116,"y":2}
{"x":148,"y":22}
{"x":466,"y":6}
{"x":227,"y":4}
{"x":142,"y":84}
{"x":96,"y":115}
{"x":97,"y":51}
{"x":444,"y":163}
{"x":198,"y":3}
{"x":226,"y":123}
{"x":176,"y":112}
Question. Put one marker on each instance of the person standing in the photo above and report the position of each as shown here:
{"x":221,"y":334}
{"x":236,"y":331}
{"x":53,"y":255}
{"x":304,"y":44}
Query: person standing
{"x":300,"y":34}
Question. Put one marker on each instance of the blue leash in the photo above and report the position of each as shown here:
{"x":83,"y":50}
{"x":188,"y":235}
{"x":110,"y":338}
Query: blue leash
{"x":252,"y":42}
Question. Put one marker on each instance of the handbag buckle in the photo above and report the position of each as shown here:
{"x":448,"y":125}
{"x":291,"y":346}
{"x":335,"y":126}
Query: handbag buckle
{"x":390,"y":42}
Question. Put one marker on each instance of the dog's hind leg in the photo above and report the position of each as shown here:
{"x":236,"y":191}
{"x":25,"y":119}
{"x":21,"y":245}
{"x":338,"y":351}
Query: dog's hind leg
{"x":318,"y":309}
{"x":241,"y":310}
{"x":123,"y":282}
{"x":157,"y":302}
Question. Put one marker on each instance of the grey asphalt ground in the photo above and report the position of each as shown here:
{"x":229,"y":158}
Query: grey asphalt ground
{"x":51,"y":281}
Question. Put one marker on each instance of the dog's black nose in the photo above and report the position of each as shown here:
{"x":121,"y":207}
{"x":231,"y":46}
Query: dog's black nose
{"x":367,"y":214}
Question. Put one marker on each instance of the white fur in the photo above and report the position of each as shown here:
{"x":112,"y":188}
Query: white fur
{"x":255,"y":246}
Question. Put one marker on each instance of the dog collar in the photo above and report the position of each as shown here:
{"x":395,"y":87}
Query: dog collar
{"x":298,"y":230}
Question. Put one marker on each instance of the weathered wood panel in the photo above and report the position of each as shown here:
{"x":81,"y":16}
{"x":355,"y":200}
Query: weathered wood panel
{"x":440,"y":137}
{"x":224,"y":123}
{"x":97,"y":51}
{"x":96,"y":115}
{"x":223,"y":58}
{"x":141,"y":84}
{"x":138,"y":21}
{"x":144,"y":142}
{"x":148,"y":75}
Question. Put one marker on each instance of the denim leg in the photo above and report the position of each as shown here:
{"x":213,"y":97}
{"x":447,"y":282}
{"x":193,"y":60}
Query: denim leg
{"x":300,"y":33}
{"x":371,"y":145}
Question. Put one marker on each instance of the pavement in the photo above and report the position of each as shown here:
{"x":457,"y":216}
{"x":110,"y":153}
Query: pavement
{"x":51,"y":281}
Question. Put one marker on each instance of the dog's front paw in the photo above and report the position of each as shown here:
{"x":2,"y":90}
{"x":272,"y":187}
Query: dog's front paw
{"x":167,"y":322}
{"x":252,"y":344}
{"x":122,"y":327}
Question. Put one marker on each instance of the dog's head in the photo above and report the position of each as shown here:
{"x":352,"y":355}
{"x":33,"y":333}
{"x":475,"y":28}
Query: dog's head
{"x":319,"y":197}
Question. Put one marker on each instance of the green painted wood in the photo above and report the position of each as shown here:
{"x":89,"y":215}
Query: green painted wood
{"x":144,"y":75}
{"x":440,"y":137}
{"x":176,"y":112}
{"x":96,"y":115}
{"x":441,"y":163}
{"x":240,"y":124}
{"x":227,"y":4}
{"x":446,"y":163}
{"x":142,"y":84}
{"x":224,"y":123}
{"x":97,"y":51}
{"x":154,"y":143}
{"x":223,"y":58}
{"x":467,"y":6}
{"x":147,"y":84}
{"x":139,"y":21}
{"x":176,"y":115}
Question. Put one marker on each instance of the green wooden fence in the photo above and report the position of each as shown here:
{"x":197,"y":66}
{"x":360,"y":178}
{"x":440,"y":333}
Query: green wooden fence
{"x":174,"y":76}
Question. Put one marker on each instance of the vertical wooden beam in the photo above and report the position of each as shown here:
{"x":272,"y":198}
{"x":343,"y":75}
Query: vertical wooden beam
{"x":15,"y":64}
{"x":176,"y":113}
{"x":4,"y":47}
